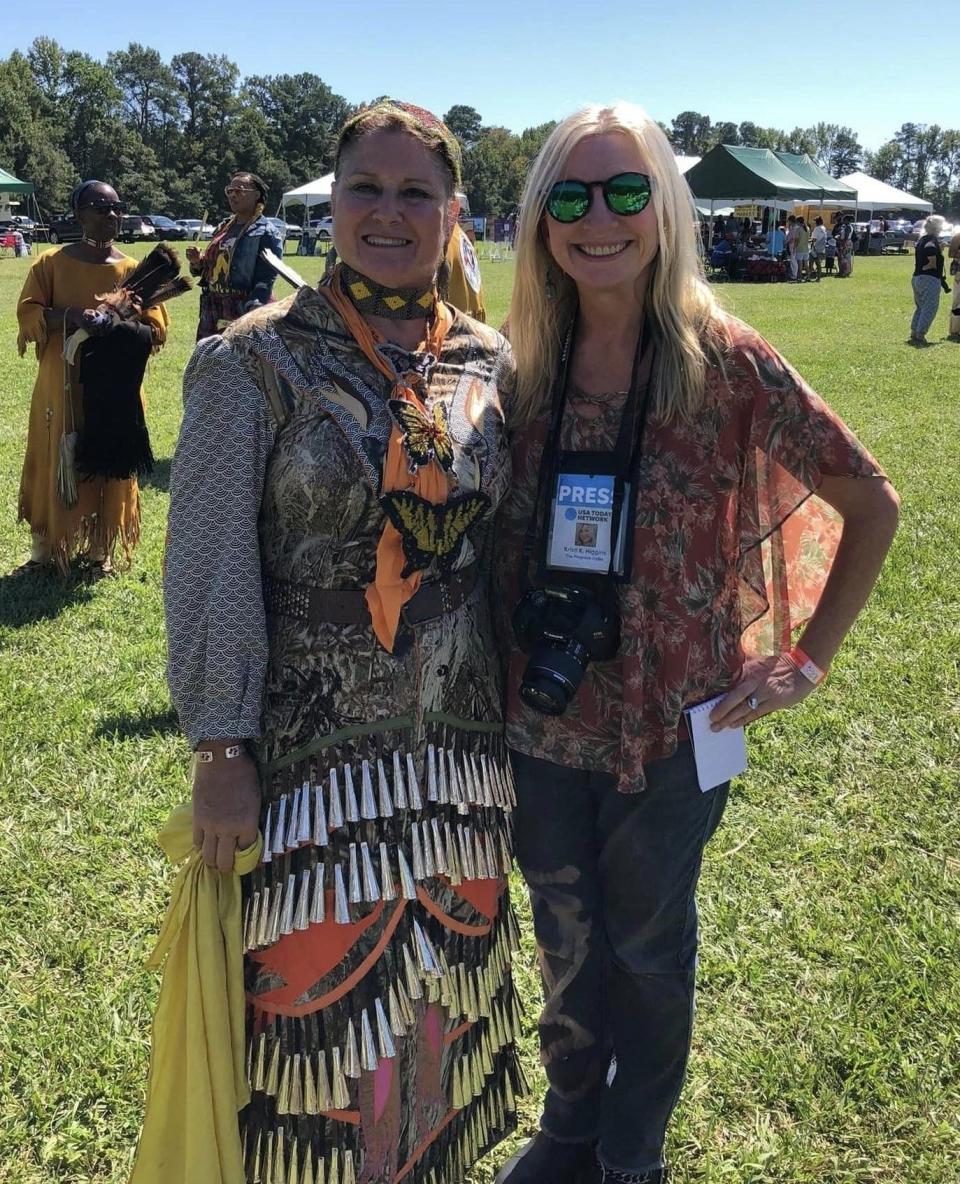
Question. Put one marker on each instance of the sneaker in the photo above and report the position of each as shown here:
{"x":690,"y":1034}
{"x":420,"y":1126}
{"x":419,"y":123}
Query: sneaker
{"x":545,"y":1161}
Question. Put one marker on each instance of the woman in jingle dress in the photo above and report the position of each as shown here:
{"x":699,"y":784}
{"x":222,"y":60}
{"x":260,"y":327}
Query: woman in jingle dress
{"x":332,"y":660}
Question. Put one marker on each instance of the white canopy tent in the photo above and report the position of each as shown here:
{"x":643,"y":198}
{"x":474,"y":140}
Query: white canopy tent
{"x":314,"y":193}
{"x":878,"y":195}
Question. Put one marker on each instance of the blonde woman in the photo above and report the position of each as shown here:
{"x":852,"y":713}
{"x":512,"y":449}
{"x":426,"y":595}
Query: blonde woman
{"x":646,"y":411}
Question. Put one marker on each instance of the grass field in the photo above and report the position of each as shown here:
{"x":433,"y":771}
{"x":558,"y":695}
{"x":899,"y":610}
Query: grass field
{"x":828,"y":1038}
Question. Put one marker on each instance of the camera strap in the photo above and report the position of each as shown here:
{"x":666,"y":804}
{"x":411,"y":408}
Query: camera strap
{"x":588,"y":499}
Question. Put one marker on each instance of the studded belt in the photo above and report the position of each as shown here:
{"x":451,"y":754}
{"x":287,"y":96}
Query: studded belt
{"x":328,"y":606}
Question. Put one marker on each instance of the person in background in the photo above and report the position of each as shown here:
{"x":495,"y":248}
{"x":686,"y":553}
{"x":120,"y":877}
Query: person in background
{"x":61,"y":295}
{"x":928,"y":279}
{"x":622,"y":348}
{"x":464,"y":282}
{"x":845,"y":245}
{"x":234,"y":276}
{"x":776,"y":242}
{"x":801,"y":246}
{"x":724,"y":254}
{"x":792,"y":246}
{"x":818,"y":246}
{"x":953,"y":251}
{"x":830,"y":252}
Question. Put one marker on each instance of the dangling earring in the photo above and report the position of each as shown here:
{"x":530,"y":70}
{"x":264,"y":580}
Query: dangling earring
{"x":550,"y":287}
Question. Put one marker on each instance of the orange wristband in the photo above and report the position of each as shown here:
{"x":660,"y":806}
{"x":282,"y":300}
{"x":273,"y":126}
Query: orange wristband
{"x":806,"y":666}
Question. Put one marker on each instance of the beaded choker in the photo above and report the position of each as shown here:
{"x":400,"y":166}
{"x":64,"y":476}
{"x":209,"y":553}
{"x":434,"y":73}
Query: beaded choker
{"x":373,"y":299}
{"x":92,"y":242}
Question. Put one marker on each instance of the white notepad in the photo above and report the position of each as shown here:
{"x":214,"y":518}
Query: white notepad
{"x":719,"y":755}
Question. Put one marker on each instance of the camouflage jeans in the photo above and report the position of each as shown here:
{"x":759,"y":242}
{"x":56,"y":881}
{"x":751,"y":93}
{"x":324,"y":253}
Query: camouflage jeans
{"x":612,"y":881}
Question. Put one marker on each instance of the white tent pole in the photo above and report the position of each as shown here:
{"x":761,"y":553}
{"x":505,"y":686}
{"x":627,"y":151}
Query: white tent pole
{"x":710,"y":232}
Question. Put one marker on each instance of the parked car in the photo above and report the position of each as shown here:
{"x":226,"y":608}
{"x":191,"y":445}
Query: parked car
{"x":59,"y":228}
{"x":321,"y":228}
{"x":280,"y":227}
{"x":946,"y":234}
{"x":190,"y":226}
{"x":135,"y":229}
{"x":293,"y":230}
{"x":166,"y":229}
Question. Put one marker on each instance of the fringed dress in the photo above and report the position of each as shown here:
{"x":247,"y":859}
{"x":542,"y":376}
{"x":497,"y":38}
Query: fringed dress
{"x":378,"y":930}
{"x":107,"y":511}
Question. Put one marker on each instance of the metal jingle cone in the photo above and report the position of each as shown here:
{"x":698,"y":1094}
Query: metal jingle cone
{"x":480,"y":857}
{"x":368,"y":1050}
{"x":289,"y":901}
{"x":354,"y":895}
{"x":397,"y":1024}
{"x":335,"y":815}
{"x":334,"y":1169}
{"x":321,"y":835}
{"x":439,"y":852}
{"x":406,"y":1007}
{"x":371,"y":889}
{"x":279,"y":830}
{"x":279,"y":1159}
{"x":318,"y":906}
{"x":419,"y":865}
{"x":443,"y":784}
{"x":383,"y":789}
{"x":341,"y":910}
{"x":324,"y":1094}
{"x":399,"y":789}
{"x":351,"y":1055}
{"x":429,"y":958}
{"x":386,"y":1048}
{"x":408,"y":887}
{"x":491,"y":795}
{"x":251,"y":923}
{"x":389,"y":889}
{"x":351,"y":811}
{"x":256,"y":1162}
{"x":308,"y":1176}
{"x":310,"y":1104}
{"x":368,"y":804}
{"x":465,"y":773}
{"x":301,"y":917}
{"x":259,"y":1076}
{"x":272,"y":1084}
{"x":484,"y":796}
{"x":453,"y":780}
{"x":349,"y":1175}
{"x":414,"y":988}
{"x":296,"y":1085}
{"x":264,"y":926}
{"x":276,"y":915}
{"x":413,"y":785}
{"x":454,"y":870}
{"x":429,"y":862}
{"x":268,"y":1159}
{"x":303,"y":829}
{"x":267,"y":853}
{"x":432,"y":792}
{"x":341,"y":1093}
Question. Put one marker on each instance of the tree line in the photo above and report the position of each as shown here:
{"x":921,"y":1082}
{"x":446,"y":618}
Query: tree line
{"x":169,"y":134}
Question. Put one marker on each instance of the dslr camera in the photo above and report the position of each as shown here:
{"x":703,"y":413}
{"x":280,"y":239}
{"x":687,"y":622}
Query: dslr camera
{"x":563,"y":628}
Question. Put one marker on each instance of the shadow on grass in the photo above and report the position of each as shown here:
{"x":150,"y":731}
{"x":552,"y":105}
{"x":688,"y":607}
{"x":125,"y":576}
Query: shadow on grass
{"x":160,"y":477}
{"x":38,"y":595}
{"x":129,"y":726}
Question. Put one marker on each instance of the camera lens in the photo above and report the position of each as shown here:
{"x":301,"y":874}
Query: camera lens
{"x":552,"y":677}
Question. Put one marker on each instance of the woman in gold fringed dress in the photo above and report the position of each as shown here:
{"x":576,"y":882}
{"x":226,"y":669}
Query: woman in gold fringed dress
{"x":61,"y":291}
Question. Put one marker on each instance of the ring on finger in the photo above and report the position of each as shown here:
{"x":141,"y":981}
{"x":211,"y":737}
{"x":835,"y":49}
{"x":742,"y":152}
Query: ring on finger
{"x":753,"y":702}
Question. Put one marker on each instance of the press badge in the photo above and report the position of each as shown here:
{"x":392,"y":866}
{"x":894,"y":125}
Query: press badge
{"x":586,"y":527}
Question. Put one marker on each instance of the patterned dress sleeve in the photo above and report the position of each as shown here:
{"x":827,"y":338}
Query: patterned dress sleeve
{"x":36,"y":296}
{"x":788,"y":535}
{"x":213,"y":595}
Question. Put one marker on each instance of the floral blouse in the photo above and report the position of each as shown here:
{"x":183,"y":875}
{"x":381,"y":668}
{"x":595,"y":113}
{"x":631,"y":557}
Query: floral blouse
{"x":731,"y":553}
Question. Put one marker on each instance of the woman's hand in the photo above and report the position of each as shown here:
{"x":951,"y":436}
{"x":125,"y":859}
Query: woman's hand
{"x":226,"y":806}
{"x":775,"y":683}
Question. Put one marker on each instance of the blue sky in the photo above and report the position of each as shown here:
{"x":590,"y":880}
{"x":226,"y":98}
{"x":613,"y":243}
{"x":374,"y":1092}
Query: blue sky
{"x":521,"y":62}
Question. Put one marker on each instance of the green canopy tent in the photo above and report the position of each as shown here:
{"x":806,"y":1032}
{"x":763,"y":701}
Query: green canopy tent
{"x":748,"y":176}
{"x":9,"y":184}
{"x":829,"y":188}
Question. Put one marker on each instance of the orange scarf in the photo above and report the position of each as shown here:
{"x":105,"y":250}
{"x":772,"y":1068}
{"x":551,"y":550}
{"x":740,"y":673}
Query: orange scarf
{"x":389,"y":591}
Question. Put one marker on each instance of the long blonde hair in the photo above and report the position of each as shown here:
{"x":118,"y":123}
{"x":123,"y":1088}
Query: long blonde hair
{"x":684,"y":316}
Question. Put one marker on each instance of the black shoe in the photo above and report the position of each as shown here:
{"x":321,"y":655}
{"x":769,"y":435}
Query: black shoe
{"x":545,"y":1161}
{"x":655,"y":1176}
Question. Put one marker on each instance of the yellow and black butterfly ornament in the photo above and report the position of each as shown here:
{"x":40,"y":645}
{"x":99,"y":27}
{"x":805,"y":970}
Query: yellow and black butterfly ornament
{"x":426,"y":435}
{"x":431,"y":532}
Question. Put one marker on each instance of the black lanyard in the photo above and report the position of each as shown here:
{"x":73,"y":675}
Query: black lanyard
{"x":627,"y":452}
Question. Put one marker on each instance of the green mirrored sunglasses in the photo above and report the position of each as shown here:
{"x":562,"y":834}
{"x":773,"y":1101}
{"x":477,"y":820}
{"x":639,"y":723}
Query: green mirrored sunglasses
{"x":625,"y":194}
